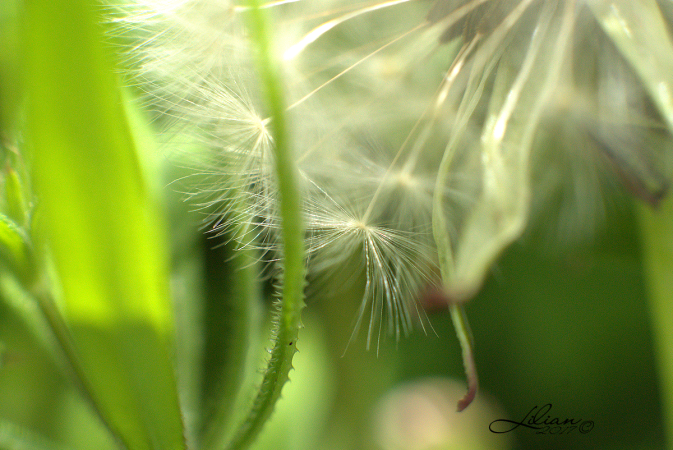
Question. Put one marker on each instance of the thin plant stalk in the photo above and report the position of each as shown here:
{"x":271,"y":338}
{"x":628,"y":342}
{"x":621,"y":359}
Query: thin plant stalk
{"x":288,"y":320}
{"x":656,"y":227}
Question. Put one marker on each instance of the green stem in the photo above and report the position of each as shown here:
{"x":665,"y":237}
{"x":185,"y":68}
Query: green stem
{"x":657,"y":240}
{"x":466,"y":340}
{"x":288,"y":320}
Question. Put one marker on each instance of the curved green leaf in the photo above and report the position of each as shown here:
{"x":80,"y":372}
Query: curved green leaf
{"x":105,"y":235}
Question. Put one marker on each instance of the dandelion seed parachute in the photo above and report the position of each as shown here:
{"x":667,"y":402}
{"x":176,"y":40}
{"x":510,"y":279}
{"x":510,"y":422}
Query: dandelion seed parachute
{"x":420,"y":127}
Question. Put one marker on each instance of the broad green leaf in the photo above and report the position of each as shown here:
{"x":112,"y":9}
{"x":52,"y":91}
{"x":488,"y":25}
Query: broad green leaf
{"x":105,"y":234}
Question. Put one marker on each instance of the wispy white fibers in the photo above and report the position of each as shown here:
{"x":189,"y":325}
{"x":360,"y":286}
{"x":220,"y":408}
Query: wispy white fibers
{"x":501,"y":210}
{"x":417,"y":125}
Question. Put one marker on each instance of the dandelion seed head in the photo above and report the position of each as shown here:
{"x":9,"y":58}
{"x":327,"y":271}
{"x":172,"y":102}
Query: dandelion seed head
{"x":425,"y":133}
{"x":359,"y":225}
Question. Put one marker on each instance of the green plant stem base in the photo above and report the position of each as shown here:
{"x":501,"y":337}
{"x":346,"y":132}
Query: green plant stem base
{"x":657,"y":241}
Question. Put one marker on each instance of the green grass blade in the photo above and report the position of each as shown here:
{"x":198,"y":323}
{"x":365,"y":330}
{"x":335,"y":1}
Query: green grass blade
{"x":656,"y":231}
{"x":105,"y":235}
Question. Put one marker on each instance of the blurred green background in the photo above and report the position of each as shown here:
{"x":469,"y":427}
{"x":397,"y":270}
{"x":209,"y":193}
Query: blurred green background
{"x":569,"y":327}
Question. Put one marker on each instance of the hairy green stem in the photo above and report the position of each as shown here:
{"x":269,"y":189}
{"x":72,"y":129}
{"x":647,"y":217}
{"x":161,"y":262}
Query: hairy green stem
{"x":288,"y":320}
